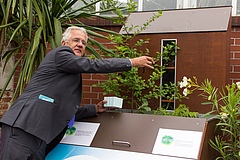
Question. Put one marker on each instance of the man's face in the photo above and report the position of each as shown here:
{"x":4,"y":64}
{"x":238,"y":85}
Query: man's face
{"x":77,"y":42}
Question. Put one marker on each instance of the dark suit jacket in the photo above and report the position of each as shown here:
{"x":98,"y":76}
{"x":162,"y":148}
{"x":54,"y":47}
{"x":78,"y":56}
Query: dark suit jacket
{"x":58,"y":78}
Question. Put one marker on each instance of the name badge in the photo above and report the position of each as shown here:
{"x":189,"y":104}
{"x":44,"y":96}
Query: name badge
{"x":46,"y":98}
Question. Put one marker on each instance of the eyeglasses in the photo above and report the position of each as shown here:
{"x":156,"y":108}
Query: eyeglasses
{"x":77,"y":40}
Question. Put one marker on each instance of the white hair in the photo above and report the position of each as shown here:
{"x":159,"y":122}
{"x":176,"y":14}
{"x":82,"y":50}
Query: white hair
{"x":67,"y":34}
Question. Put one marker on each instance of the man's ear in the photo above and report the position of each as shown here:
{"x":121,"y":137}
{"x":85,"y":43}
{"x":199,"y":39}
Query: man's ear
{"x":63,"y":43}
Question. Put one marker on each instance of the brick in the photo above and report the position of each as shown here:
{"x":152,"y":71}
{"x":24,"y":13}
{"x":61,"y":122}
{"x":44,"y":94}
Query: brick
{"x":86,"y":89}
{"x":232,"y":41}
{"x":86,"y":76}
{"x":101,"y":96}
{"x":235,"y":48}
{"x":237,"y":41}
{"x":234,"y":62}
{"x":90,"y":82}
{"x":85,"y":101}
{"x":236,"y":55}
{"x":99,"y":77}
{"x":231,"y":68}
{"x":97,"y":89}
{"x":95,"y":101}
{"x":235,"y":34}
{"x":235,"y":20}
{"x":231,"y":55}
{"x":235,"y":75}
{"x":90,"y":95}
{"x":236,"y":69}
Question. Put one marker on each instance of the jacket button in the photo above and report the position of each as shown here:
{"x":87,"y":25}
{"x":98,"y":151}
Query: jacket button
{"x":77,"y":106}
{"x":68,"y":121}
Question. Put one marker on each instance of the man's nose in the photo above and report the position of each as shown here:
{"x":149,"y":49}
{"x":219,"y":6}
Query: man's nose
{"x":80,"y":43}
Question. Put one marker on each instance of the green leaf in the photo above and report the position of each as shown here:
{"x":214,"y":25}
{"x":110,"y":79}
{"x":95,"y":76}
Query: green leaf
{"x":58,"y":32}
{"x":93,"y":51}
{"x":36,"y":40}
{"x":10,"y":77}
{"x":16,"y":30}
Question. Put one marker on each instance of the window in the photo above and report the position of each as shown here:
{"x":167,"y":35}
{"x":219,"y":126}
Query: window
{"x":238,"y":8}
{"x":151,"y":5}
{"x":213,"y":3}
{"x":105,"y":6}
{"x":168,"y":62}
{"x":83,"y":3}
{"x":159,"y":5}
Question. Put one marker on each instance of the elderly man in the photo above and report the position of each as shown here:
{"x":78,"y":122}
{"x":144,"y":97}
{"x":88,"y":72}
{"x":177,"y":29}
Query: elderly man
{"x":38,"y":118}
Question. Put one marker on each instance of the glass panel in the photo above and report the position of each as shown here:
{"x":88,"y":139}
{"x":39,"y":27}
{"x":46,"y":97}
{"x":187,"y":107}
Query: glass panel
{"x":123,"y":1}
{"x":159,"y":4}
{"x":103,"y":6}
{"x":114,"y":4}
{"x":238,"y":7}
{"x":137,"y":4}
{"x":82,"y":3}
{"x":213,"y":3}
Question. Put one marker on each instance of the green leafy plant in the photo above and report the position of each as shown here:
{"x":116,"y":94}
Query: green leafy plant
{"x":32,"y":26}
{"x":181,"y":111}
{"x":131,"y":86}
{"x":169,"y":51}
{"x":226,"y":104}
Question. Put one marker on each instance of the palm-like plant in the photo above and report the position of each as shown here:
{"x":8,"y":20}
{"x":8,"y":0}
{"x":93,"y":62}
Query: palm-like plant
{"x":40,"y":23}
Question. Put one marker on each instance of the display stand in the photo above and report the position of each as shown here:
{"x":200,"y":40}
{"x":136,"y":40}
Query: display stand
{"x":137,"y":133}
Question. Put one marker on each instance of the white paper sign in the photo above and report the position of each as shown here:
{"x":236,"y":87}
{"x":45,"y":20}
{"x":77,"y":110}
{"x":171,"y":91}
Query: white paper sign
{"x":82,"y":133}
{"x":179,"y":143}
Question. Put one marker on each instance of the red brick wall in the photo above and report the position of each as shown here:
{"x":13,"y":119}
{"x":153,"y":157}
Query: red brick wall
{"x":235,"y":50}
{"x":5,"y":102}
